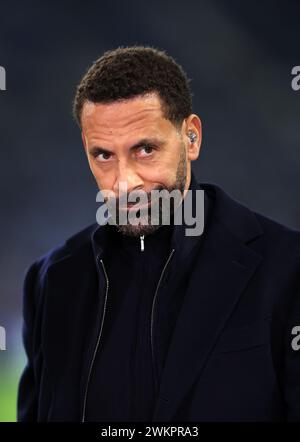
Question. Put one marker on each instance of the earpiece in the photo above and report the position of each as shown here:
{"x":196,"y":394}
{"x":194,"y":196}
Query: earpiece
{"x":192,"y":136}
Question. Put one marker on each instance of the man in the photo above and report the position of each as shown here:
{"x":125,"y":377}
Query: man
{"x":141,"y":321}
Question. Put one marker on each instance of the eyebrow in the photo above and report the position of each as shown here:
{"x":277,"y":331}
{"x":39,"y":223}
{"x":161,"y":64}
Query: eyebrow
{"x":96,"y":150}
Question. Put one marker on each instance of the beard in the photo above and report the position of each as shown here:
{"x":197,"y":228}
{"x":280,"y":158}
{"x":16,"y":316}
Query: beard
{"x":157,"y":213}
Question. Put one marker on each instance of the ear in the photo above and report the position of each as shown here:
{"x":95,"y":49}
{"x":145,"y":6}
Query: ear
{"x":193,"y":124}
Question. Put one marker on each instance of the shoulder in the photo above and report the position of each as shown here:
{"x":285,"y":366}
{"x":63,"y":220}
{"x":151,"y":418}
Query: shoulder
{"x":251,"y":226}
{"x":278,"y":232}
{"x":73,"y":244}
{"x":276,"y":245}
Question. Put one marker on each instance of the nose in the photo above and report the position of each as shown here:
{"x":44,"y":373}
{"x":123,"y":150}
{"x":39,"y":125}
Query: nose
{"x":127,"y":179}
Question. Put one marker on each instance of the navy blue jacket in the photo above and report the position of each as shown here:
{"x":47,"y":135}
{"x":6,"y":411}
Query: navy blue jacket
{"x":230,"y":357}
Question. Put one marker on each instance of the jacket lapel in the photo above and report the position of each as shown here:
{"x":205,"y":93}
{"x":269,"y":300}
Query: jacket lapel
{"x":223,"y":268}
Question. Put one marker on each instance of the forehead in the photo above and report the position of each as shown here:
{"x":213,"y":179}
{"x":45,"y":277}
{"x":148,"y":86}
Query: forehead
{"x":129,"y":114}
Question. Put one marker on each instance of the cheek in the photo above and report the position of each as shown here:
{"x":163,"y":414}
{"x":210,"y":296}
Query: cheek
{"x":165,"y":168}
{"x":162,"y":174}
{"x":104,"y":179}
{"x":173,"y":155}
{"x":170,"y":165}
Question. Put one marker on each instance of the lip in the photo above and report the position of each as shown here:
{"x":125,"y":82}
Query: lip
{"x":135,"y":206}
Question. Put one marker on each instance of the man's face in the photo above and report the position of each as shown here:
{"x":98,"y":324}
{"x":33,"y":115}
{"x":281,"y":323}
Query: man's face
{"x":131,"y":147}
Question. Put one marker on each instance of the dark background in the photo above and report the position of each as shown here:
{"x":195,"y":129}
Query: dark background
{"x":239,"y":56}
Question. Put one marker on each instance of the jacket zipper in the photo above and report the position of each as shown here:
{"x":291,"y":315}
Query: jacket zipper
{"x":97,"y":343}
{"x":152,"y":313}
{"x":102,"y":322}
{"x":142,"y":237}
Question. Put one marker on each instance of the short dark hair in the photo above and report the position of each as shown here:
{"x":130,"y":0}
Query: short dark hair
{"x":127,"y":72}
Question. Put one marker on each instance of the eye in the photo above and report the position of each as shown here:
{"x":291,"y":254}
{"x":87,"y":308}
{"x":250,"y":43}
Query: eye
{"x":103,"y":157}
{"x":145,"y":151}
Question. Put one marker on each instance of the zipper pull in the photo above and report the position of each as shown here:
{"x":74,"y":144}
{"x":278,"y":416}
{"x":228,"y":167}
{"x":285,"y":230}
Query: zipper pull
{"x":142,"y":242}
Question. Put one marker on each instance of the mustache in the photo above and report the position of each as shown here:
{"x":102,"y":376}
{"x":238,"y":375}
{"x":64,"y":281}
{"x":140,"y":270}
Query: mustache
{"x":135,"y":196}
